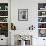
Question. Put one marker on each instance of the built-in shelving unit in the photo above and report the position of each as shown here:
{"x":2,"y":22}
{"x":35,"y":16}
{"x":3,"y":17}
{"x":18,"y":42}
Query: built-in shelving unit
{"x":4,"y":19}
{"x":42,"y":19}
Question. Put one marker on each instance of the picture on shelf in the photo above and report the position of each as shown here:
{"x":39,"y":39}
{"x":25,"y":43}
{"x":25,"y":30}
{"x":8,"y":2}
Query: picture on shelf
{"x":42,"y":33}
{"x":41,"y":6}
{"x":4,"y":29}
{"x":22,"y":14}
{"x":3,"y":13}
{"x":3,"y":26}
{"x":3,"y":19}
{"x":41,"y":13}
{"x":41,"y":25}
{"x":41,"y":19}
{"x":3,"y":6}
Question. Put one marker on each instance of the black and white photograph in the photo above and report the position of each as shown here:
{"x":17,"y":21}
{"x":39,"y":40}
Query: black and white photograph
{"x":23,"y":14}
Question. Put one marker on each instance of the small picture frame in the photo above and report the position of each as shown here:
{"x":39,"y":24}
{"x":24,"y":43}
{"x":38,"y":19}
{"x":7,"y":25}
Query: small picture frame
{"x":42,"y":32}
{"x":22,"y":14}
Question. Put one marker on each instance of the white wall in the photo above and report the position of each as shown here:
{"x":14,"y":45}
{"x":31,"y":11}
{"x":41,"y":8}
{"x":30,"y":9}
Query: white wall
{"x":32,"y":6}
{"x":32,"y":13}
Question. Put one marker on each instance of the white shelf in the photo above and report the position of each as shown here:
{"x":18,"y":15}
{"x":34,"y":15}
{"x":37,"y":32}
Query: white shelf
{"x":41,"y":28}
{"x":3,"y":22}
{"x":3,"y":10}
{"x":42,"y":16}
{"x":41,"y":22}
{"x":41,"y":10}
{"x":3,"y":16}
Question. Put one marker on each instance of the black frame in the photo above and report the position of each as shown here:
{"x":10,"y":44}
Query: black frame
{"x":41,"y":5}
{"x":21,"y":10}
{"x":40,"y":34}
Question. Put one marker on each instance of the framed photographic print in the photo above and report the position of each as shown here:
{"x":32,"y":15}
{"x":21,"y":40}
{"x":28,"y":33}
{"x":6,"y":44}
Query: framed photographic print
{"x":42,"y":32}
{"x":22,"y":14}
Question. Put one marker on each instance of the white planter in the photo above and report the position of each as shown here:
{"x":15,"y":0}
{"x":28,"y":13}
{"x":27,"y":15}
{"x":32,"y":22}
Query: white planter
{"x":22,"y":43}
